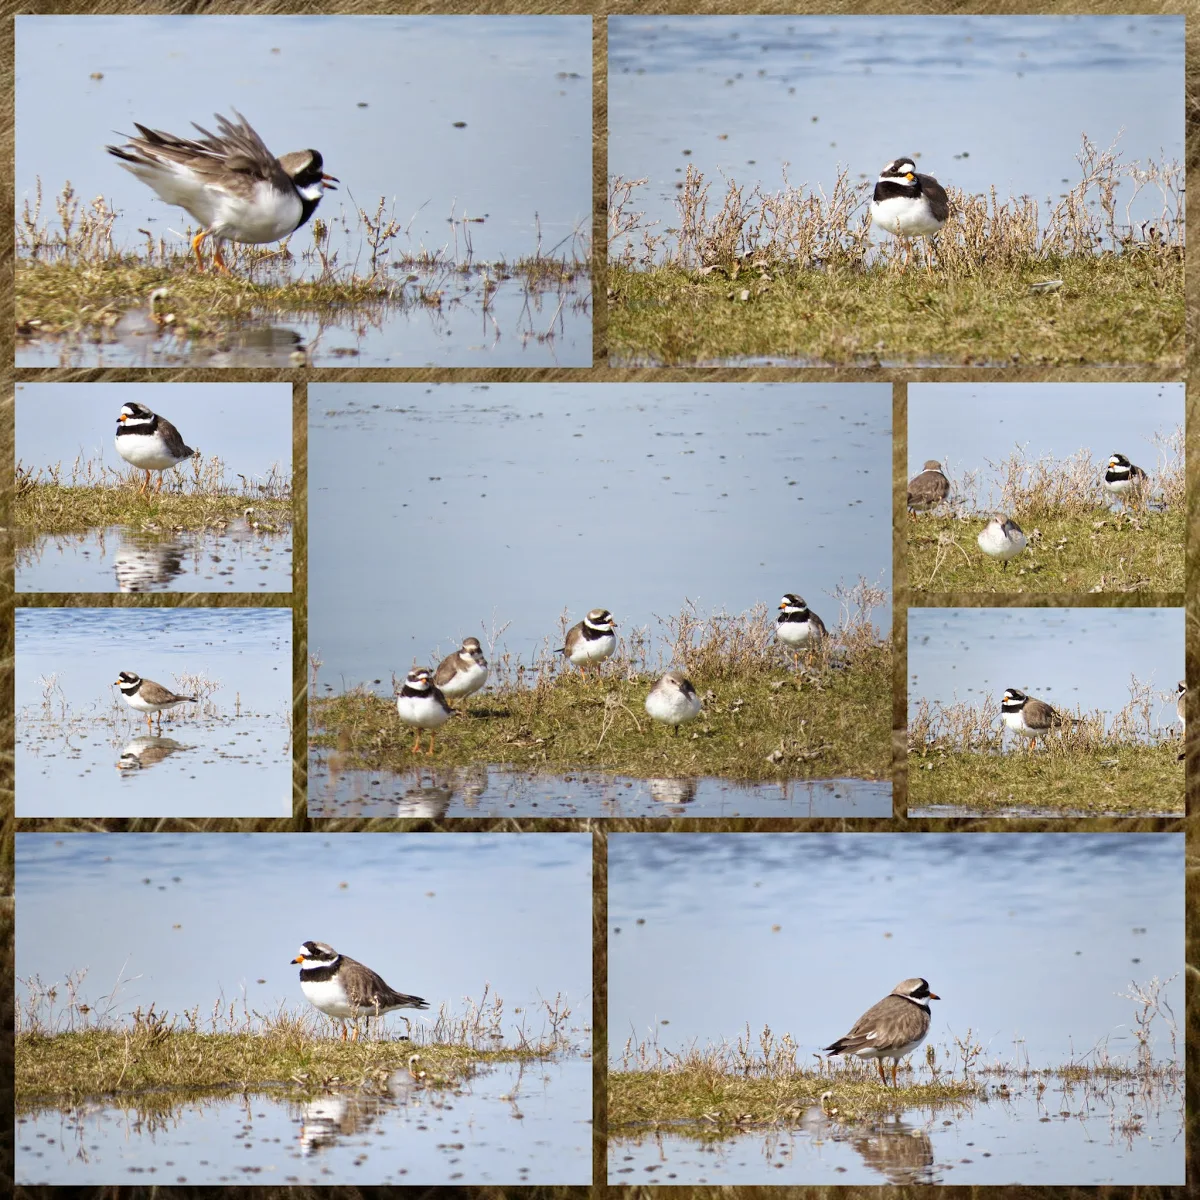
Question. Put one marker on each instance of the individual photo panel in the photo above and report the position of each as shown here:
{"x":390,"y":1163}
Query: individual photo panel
{"x":575,"y":600}
{"x":275,"y":191}
{"x":153,"y":487}
{"x":897,"y":191}
{"x":1045,"y":712}
{"x":1046,"y":487}
{"x":895,"y":1009}
{"x":153,"y":712}
{"x":361,"y":1048}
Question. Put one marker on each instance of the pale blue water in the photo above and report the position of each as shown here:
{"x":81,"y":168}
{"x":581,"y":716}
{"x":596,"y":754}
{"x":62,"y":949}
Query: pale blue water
{"x":337,"y":789}
{"x":496,"y":507}
{"x":248,"y":426}
{"x":186,"y":920}
{"x":1065,"y":656}
{"x":118,"y":559}
{"x":228,"y":756}
{"x":489,"y":120}
{"x":507,"y":1124}
{"x":1027,"y":938}
{"x":983,"y":100}
{"x":972,"y":426}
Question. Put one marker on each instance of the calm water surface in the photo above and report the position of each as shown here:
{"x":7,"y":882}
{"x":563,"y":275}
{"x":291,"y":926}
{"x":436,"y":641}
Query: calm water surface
{"x":141,"y":912}
{"x":497,"y":132}
{"x":1067,"y":1138}
{"x":502,"y":506}
{"x":1029,"y":940}
{"x":1065,"y":656}
{"x":82,"y":751}
{"x":337,"y":790}
{"x":974,"y":426}
{"x":748,"y":97}
{"x":506,"y":1124}
{"x":118,"y":559}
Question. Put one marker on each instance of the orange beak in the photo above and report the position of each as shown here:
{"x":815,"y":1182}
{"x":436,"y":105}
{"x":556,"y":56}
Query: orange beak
{"x":299,"y":958}
{"x":329,"y":181}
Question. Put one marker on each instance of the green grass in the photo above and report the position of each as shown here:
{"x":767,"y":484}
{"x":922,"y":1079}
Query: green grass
{"x":715,"y":1100}
{"x":69,"y":1066}
{"x":1097,"y":552}
{"x":46,"y":508}
{"x":1114,"y":308}
{"x":758,"y":724}
{"x":1128,"y":779}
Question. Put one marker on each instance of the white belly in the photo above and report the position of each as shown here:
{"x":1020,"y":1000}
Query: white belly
{"x":1016,"y":722}
{"x":327,"y":995}
{"x":466,"y":683}
{"x":145,"y":453}
{"x":674,"y":707}
{"x":423,"y":711}
{"x":594,"y":650}
{"x":796,"y":633}
{"x":994,"y":542}
{"x":904,"y":216}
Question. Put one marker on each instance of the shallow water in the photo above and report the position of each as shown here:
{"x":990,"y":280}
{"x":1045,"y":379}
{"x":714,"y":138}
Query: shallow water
{"x":507,"y":1124}
{"x":337,"y":789}
{"x":503,"y":505}
{"x":748,"y":97}
{"x":490,"y":162}
{"x":1068,"y":1137}
{"x":120,"y":559}
{"x":82,"y":751}
{"x":508,"y":328}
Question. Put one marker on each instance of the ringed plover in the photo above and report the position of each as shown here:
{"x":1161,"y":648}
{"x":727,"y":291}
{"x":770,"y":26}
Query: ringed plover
{"x":228,"y":181}
{"x":930,"y":488}
{"x":421,"y":704}
{"x":1122,"y":478}
{"x":797,"y":626}
{"x":149,"y":442}
{"x":462,"y":673}
{"x":591,"y":641}
{"x":1030,"y":718}
{"x":893,"y":1028}
{"x":148,"y":697}
{"x":344,"y":989}
{"x":908,"y":204}
{"x":1001,"y":538}
{"x":673,"y":700}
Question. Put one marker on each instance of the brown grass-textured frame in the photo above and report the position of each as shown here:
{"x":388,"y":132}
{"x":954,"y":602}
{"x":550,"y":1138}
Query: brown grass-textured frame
{"x":599,"y":374}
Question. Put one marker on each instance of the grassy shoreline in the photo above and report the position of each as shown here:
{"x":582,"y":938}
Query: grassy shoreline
{"x":1129,"y":780}
{"x":1126,"y":309}
{"x":112,"y":1062}
{"x":46,"y":508}
{"x":757,"y":725}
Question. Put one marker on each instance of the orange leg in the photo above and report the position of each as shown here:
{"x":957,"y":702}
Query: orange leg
{"x":218,"y":261}
{"x":882,"y":1075}
{"x":196,"y":247}
{"x":430,"y":750}
{"x":343,"y":1031}
{"x":416,"y":746}
{"x":895,"y":1064}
